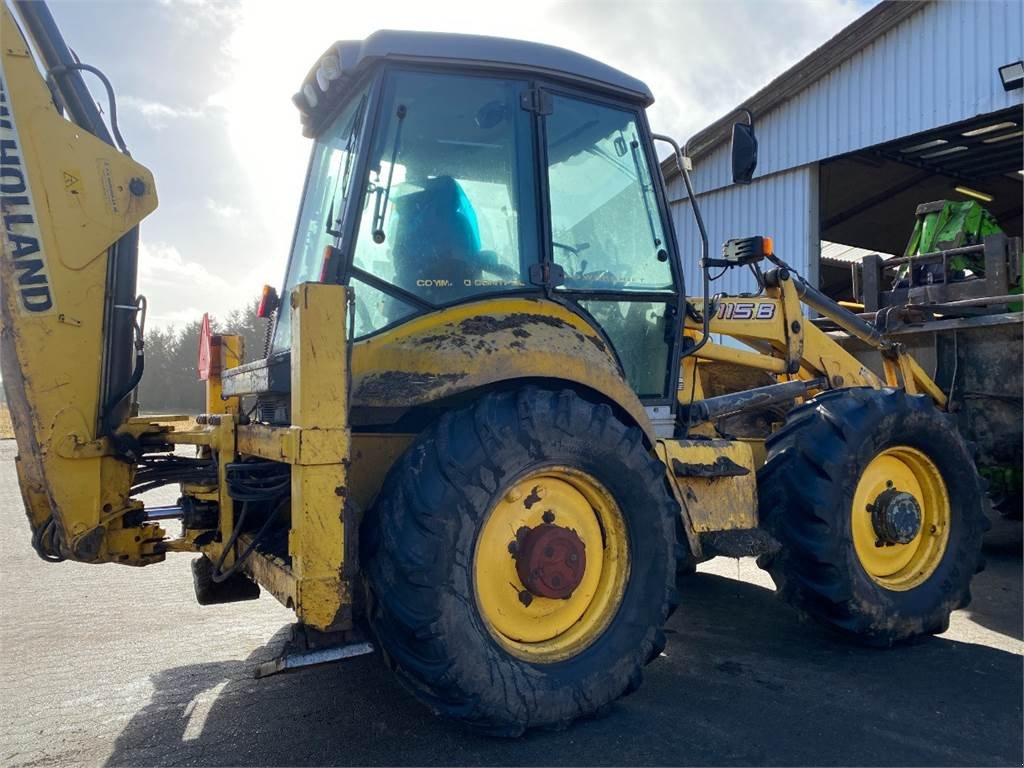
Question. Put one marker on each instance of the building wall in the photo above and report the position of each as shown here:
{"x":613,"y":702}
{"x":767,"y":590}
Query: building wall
{"x":783,"y":206}
{"x":940,"y":66}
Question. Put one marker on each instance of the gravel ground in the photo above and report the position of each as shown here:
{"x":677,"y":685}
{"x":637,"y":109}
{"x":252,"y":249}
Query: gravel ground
{"x":116,"y":666}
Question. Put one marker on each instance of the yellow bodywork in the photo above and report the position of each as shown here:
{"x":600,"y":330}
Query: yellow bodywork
{"x":715,"y":481}
{"x":780,"y":341}
{"x":317,"y":445}
{"x":66,"y":202}
{"x":475,"y":345}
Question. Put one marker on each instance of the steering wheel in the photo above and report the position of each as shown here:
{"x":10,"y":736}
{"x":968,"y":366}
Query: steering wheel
{"x":576,"y":270}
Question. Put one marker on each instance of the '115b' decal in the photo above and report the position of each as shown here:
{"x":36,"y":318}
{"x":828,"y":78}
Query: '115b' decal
{"x":746,"y":310}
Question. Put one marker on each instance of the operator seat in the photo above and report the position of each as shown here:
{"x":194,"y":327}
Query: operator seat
{"x":436,"y":246}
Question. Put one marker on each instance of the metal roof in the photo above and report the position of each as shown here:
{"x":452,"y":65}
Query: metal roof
{"x":535,"y":59}
{"x":972,"y":150}
{"x":846,"y":254}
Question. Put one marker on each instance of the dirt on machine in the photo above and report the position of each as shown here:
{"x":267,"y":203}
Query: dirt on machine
{"x":491,"y":429}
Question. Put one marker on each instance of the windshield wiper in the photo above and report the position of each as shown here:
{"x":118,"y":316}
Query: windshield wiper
{"x":380,"y":203}
{"x":634,"y":147}
{"x":333,"y":223}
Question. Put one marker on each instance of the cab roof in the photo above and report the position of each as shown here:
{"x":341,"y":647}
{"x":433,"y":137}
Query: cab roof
{"x":344,"y":61}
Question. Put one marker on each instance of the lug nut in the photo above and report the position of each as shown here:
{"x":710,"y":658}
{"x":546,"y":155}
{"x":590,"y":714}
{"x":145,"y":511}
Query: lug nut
{"x":548,"y":517}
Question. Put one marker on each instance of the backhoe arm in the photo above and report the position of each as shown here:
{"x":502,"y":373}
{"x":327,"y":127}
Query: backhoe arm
{"x":71,"y":205}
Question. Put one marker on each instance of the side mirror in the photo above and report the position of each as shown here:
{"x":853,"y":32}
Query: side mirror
{"x":744,"y":152}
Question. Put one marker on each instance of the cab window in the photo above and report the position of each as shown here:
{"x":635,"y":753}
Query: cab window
{"x":328,"y":188}
{"x":608,"y":236}
{"x":448,"y":212}
{"x":606,"y":229}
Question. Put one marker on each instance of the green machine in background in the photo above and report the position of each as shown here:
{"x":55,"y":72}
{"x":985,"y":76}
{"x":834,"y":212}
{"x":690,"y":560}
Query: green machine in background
{"x":946,"y":225}
{"x":952,"y":298}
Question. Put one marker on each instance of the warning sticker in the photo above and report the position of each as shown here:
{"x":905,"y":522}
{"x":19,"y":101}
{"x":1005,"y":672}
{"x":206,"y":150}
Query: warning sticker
{"x":107,"y":183}
{"x":72,"y":181}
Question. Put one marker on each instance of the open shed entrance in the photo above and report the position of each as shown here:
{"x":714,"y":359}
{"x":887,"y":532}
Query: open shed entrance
{"x":868,"y":198}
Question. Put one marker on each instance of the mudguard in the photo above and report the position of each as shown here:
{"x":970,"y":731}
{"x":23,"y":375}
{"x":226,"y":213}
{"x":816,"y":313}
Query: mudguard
{"x":473,"y":346}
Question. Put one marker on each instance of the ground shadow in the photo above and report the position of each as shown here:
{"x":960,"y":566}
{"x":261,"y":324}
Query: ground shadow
{"x":997,"y":591}
{"x":742,"y":682}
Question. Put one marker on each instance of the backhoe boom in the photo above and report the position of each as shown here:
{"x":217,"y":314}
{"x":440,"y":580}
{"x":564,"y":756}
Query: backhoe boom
{"x":71,"y":204}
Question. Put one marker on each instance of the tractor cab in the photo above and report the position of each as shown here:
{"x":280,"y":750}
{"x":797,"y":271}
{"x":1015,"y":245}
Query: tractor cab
{"x":450,"y":169}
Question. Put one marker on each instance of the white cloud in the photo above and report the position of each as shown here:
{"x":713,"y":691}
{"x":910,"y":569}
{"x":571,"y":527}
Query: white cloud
{"x":158,"y":114}
{"x":223,"y":210}
{"x":203,"y":13}
{"x":179,"y":290}
{"x":162,"y":262}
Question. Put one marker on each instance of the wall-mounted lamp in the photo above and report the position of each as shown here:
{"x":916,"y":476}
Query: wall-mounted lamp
{"x":1012,"y":75}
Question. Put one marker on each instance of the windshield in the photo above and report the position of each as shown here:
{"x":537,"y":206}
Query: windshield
{"x":328,"y":187}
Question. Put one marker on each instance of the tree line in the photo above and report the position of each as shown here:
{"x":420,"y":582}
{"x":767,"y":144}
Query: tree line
{"x":171,"y":379}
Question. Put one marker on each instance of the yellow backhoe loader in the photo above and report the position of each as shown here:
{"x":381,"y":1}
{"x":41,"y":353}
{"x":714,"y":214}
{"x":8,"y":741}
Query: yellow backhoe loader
{"x":490,"y":428}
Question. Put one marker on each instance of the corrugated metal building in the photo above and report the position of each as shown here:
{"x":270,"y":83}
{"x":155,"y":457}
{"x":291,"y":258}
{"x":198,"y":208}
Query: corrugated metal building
{"x":898,"y":109}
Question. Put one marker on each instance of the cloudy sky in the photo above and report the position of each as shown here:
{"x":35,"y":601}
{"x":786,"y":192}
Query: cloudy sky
{"x":205,"y":90}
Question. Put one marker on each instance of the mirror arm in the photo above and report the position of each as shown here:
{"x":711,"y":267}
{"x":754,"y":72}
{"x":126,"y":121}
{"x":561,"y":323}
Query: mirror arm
{"x":704,"y":249}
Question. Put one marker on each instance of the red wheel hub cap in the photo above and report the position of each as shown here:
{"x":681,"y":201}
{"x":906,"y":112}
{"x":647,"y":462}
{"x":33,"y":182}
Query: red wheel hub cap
{"x":550,"y":560}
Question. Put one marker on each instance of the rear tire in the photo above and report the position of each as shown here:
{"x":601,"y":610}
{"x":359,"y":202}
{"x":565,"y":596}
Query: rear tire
{"x":811,"y":490}
{"x":425,"y":597}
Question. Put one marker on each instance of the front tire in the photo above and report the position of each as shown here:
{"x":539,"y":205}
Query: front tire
{"x":470,"y":630}
{"x":880,"y":511}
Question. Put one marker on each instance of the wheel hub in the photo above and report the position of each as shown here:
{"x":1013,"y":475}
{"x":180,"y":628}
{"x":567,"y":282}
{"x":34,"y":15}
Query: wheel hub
{"x":550,"y":560}
{"x":896,"y":517}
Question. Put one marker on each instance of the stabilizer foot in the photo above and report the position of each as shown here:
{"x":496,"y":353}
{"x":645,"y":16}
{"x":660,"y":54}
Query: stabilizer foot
{"x":309,"y":647}
{"x":232,"y":590}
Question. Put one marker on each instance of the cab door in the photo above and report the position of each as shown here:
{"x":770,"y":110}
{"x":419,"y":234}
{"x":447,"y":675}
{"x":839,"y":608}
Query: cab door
{"x":610,"y":236}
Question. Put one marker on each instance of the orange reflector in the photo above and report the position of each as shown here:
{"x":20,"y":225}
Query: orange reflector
{"x":204,"y":363}
{"x":268,"y":302}
{"x":767,"y":246}
{"x":328,"y":251}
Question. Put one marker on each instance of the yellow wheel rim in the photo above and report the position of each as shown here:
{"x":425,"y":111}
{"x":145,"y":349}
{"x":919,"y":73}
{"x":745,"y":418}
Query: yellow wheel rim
{"x":532,"y":626}
{"x":896,"y":475}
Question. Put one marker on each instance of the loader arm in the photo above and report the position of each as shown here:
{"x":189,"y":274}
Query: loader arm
{"x":72,"y":203}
